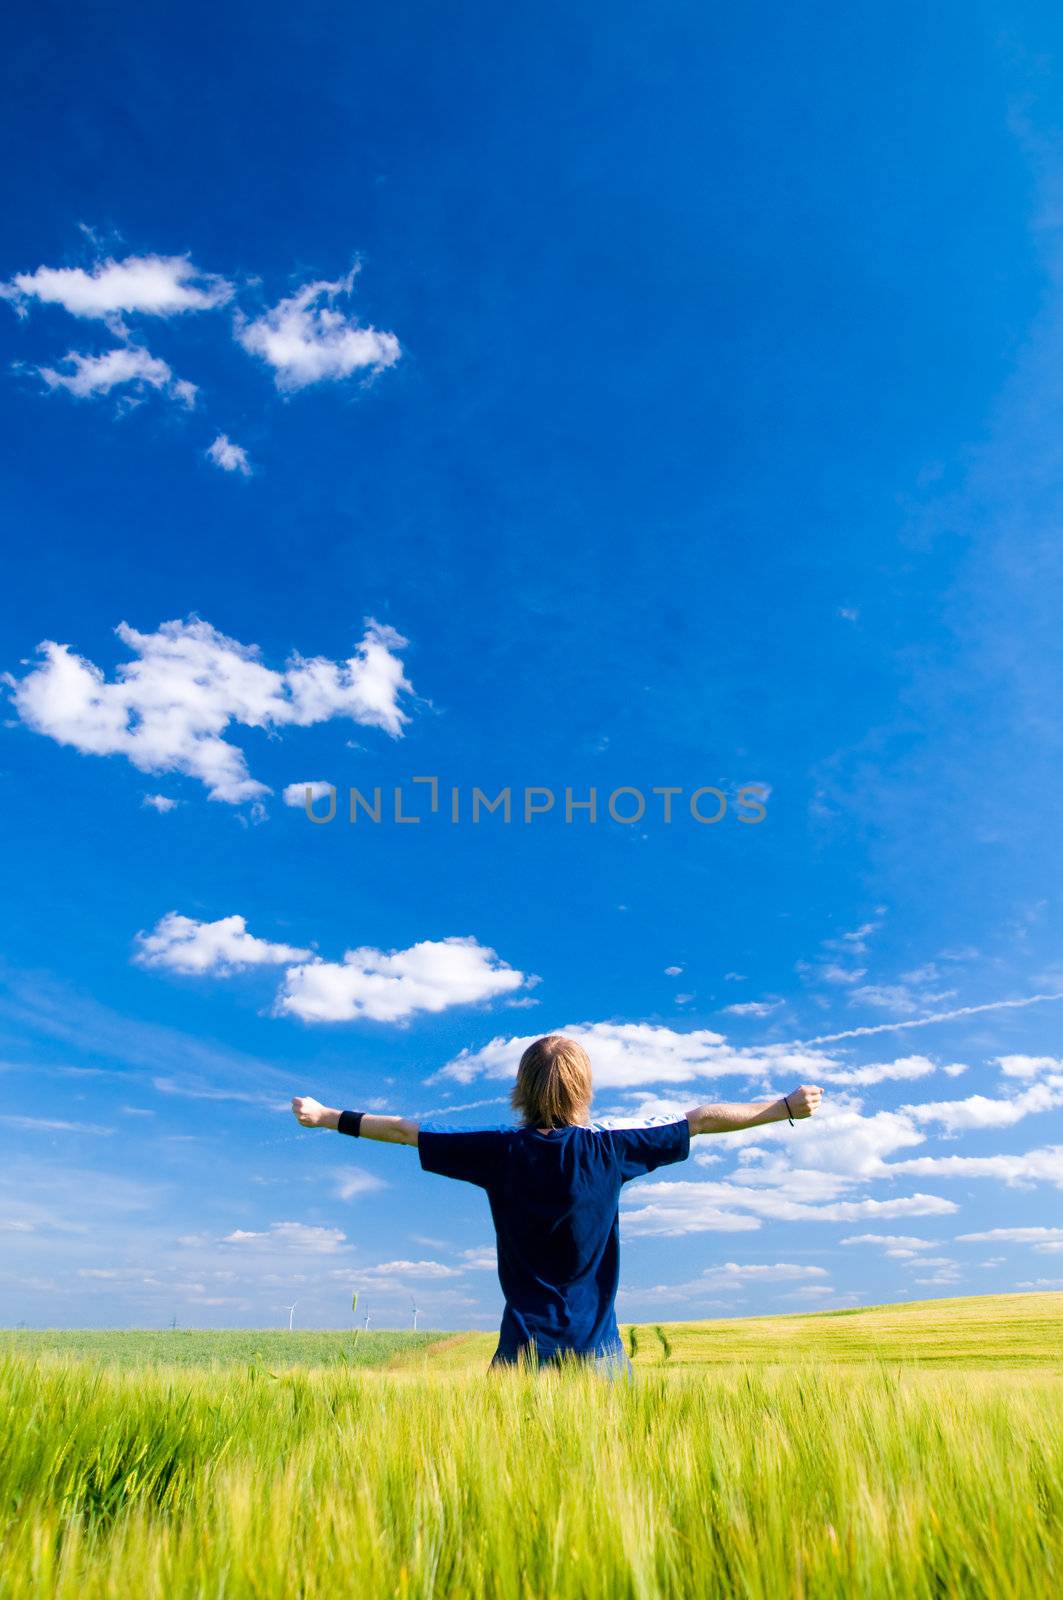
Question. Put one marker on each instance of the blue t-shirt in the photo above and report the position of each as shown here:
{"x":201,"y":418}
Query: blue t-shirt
{"x":554,"y":1198}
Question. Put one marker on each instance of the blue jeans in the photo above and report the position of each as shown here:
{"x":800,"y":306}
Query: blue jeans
{"x":612,"y":1364}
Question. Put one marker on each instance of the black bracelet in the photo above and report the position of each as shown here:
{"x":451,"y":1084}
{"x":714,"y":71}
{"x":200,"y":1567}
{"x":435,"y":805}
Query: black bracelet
{"x":350,"y":1122}
{"x":785,"y":1102}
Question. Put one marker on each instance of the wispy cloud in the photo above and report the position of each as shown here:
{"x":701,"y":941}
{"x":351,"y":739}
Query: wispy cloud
{"x":90,"y":377}
{"x":926,"y":1022}
{"x":51,"y":1125}
{"x":752,"y":1008}
{"x":228,"y":456}
{"x":351,"y":1182}
{"x":898,"y":1246}
{"x":40,"y":1008}
{"x":1048,"y":1240}
{"x":416,"y":1271}
{"x":305,"y":1238}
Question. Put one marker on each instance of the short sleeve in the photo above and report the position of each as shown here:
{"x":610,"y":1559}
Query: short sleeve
{"x":640,"y":1150}
{"x":472,"y":1156}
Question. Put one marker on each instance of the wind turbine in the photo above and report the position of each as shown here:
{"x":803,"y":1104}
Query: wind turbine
{"x":291,"y":1314}
{"x":416,"y":1314}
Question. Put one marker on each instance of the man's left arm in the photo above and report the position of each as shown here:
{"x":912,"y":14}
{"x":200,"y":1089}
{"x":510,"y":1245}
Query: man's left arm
{"x":729,"y":1118}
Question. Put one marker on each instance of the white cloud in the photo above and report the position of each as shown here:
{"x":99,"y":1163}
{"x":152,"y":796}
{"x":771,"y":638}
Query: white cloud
{"x":880,"y":1072}
{"x":181,"y":944}
{"x":1035,"y":1166}
{"x":982,"y":1111}
{"x":167,"y":710}
{"x":159,"y":286}
{"x":733,"y":1272}
{"x":483,"y":1258}
{"x":671,"y":1208}
{"x":305,"y":341}
{"x":228,"y":456}
{"x":1028,"y":1066}
{"x":642,"y":1107}
{"x":805,"y":1184}
{"x":291,"y":1236}
{"x":892,"y":1243}
{"x":625,"y":1055}
{"x":160,"y":803}
{"x":295,"y":793}
{"x":730,"y":1275}
{"x":384,"y":986}
{"x":838,"y":1140}
{"x":672,"y":972}
{"x":416,"y":1270}
{"x":752,"y":1008}
{"x":1040,"y":1238}
{"x":389,"y":986}
{"x":1041,"y":1283}
{"x":92,"y":376}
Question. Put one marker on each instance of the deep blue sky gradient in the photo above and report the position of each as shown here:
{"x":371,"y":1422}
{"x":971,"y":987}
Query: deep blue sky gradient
{"x":722,"y":449}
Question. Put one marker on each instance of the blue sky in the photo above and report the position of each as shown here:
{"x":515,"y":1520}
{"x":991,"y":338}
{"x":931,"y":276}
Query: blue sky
{"x":529,"y":401}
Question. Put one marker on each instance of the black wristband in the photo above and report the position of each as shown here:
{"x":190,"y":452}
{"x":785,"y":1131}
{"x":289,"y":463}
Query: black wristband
{"x":785,"y":1102}
{"x":350,"y":1122}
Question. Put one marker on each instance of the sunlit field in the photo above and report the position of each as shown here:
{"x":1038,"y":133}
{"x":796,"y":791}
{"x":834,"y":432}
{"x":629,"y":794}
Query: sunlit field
{"x":912,"y":1450}
{"x":198,"y":1347}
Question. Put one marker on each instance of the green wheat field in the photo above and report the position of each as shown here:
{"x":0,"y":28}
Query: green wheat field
{"x":910,"y":1450}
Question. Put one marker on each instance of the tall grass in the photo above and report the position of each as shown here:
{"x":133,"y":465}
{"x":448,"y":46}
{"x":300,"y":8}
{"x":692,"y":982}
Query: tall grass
{"x":761,"y":1483}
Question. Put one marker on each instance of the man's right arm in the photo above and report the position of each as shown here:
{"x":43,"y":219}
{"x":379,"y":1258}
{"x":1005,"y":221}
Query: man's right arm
{"x":310,"y":1113}
{"x":729,"y":1117}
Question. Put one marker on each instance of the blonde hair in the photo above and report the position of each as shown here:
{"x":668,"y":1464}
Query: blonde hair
{"x":553,"y":1087}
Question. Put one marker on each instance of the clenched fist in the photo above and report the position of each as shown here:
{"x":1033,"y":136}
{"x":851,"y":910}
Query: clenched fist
{"x":310,"y":1113}
{"x":804,"y":1100}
